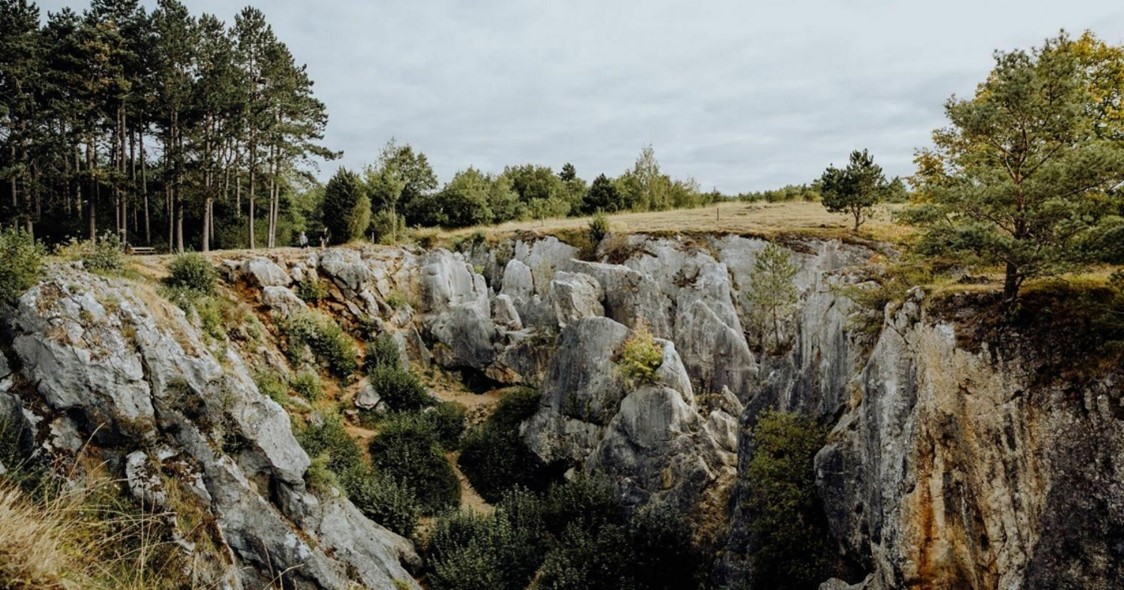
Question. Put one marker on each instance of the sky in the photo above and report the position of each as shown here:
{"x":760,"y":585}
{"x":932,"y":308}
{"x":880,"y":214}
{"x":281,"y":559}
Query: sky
{"x":741,"y":95}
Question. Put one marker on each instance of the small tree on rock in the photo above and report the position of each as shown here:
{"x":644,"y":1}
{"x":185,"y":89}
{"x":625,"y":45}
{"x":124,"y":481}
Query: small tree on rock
{"x":771,"y":290}
{"x":854,"y":189}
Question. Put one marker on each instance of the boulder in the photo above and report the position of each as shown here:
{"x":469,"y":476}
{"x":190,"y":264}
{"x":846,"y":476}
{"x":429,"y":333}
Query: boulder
{"x":263,"y":272}
{"x":282,"y":300}
{"x":575,"y":296}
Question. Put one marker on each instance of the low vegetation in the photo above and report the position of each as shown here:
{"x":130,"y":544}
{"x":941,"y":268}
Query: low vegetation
{"x":192,"y":272}
{"x":640,"y":356}
{"x":493,"y":456}
{"x":315,"y":332}
{"x":103,"y":254}
{"x":408,"y":450}
{"x":21,"y":263}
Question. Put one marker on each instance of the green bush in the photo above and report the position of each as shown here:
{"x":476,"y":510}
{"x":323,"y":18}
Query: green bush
{"x":273,"y":386}
{"x":591,"y":502}
{"x":447,"y":421}
{"x":320,"y":334}
{"x":193,"y":272}
{"x":599,"y":227}
{"x":21,"y":263}
{"x":493,"y":456}
{"x":792,"y":541}
{"x":103,"y":254}
{"x":311,"y":289}
{"x":471,"y":551}
{"x":307,"y":385}
{"x":386,"y":227}
{"x":383,"y":500}
{"x":407,"y":450}
{"x":587,"y":560}
{"x":382,"y":351}
{"x":337,"y":460}
{"x":400,"y":390}
{"x":329,"y":438}
{"x":640,"y":356}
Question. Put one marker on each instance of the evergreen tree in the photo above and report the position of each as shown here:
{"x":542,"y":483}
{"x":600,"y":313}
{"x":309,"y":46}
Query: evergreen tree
{"x":771,"y":290}
{"x":347,"y":209}
{"x":855,"y":189}
{"x":1027,"y":164}
{"x":602,"y":196}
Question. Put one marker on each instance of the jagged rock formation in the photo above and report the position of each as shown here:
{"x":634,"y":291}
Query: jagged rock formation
{"x":110,"y":370}
{"x":947,"y":465}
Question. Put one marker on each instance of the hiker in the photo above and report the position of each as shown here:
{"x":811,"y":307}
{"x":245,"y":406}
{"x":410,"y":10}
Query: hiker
{"x":303,"y":241}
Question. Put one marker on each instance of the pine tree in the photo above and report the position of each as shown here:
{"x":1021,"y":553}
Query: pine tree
{"x":772,"y":291}
{"x":855,"y":189}
{"x":347,"y":209}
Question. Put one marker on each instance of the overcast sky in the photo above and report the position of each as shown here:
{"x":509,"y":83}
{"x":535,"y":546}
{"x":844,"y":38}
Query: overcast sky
{"x":740,"y":94}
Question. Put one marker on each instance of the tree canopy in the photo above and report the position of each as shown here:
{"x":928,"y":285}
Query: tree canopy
{"x":854,"y":189}
{"x":1027,"y":165}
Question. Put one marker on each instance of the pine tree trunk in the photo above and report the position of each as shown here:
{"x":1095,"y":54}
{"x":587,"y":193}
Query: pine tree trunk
{"x":144,"y":191}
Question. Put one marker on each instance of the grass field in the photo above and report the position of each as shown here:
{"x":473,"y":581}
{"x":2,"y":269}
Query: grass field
{"x":764,"y":219}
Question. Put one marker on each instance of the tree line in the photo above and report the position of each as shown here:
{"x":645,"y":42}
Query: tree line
{"x":158,"y":127}
{"x":400,"y":189}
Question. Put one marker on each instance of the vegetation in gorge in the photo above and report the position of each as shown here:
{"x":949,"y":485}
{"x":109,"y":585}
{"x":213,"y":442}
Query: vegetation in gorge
{"x":793,"y":548}
{"x":772,"y":292}
{"x":493,"y":456}
{"x":577,"y":535}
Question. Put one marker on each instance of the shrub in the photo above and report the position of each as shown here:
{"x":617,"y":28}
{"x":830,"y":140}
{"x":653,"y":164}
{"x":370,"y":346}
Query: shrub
{"x":473,"y":551}
{"x":383,"y":500}
{"x":406,"y":450}
{"x":400,"y":390}
{"x":272,"y":385}
{"x":662,"y":552}
{"x":586,"y":560}
{"x":21,"y":263}
{"x":386,"y":227}
{"x":591,"y":502}
{"x":311,"y":289}
{"x":103,"y":254}
{"x":599,"y":227}
{"x":320,"y":334}
{"x":329,"y":438}
{"x":493,"y":456}
{"x":382,"y":352}
{"x":193,"y":272}
{"x":640,"y":356}
{"x":447,"y":421}
{"x":792,"y":548}
{"x":307,"y":385}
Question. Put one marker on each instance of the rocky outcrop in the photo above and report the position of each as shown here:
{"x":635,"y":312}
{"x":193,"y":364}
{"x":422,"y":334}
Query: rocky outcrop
{"x":961,"y":469}
{"x":109,"y":369}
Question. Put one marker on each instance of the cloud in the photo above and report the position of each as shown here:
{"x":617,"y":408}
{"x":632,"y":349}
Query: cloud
{"x":741,"y":95}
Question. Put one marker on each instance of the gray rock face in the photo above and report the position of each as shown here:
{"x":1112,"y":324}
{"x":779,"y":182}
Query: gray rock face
{"x":282,"y":300}
{"x":346,"y":267}
{"x":458,"y":311}
{"x":136,"y":374}
{"x":263,"y":272}
{"x":648,"y":436}
{"x":575,"y":296}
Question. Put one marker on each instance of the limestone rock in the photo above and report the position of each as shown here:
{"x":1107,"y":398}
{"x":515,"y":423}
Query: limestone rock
{"x":263,"y":272}
{"x":575,"y":296}
{"x":282,"y":300}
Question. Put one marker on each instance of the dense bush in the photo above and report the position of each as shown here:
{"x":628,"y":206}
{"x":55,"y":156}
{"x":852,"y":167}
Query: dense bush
{"x":792,"y":548}
{"x":473,"y":551}
{"x":493,"y":456}
{"x":587,"y":560}
{"x":102,"y":254}
{"x":382,"y":351}
{"x":331,"y":439}
{"x":21,"y":263}
{"x":382,"y":499}
{"x":640,"y":356}
{"x":400,"y":390}
{"x":192,"y":272}
{"x":307,"y":385}
{"x":311,"y":289}
{"x":447,"y":421}
{"x":272,"y":385}
{"x":320,"y":334}
{"x":407,"y":450}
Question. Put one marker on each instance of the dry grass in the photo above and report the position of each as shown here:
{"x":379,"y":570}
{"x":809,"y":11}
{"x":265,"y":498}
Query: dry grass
{"x":84,"y":535}
{"x":797,"y":218}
